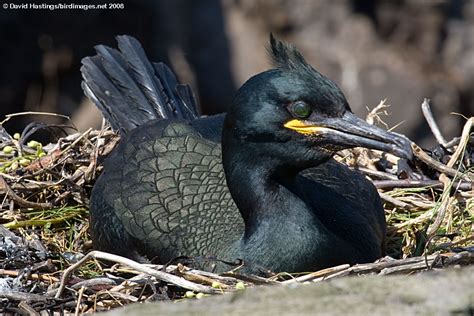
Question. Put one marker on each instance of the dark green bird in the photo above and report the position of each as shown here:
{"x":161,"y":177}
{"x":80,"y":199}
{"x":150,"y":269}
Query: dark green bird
{"x":257,"y":184}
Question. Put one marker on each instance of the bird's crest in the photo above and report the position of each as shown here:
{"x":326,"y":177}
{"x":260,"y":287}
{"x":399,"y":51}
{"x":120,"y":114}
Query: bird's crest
{"x":286,"y":56}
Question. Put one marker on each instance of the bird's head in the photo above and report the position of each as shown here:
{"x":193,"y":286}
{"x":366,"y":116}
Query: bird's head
{"x":295,"y":114}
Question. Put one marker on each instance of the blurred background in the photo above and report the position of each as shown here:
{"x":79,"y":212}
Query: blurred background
{"x":402,"y":51}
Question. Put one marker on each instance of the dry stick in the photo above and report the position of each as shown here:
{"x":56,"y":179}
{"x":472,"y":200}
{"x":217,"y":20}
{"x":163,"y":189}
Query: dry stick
{"x":373,"y":115}
{"x":95,"y":154}
{"x":33,"y":276}
{"x":422,"y":265}
{"x":383,"y":267}
{"x":332,"y":276}
{"x":458,"y":242}
{"x":137,"y":266}
{"x":25,"y":307}
{"x":196,"y":278}
{"x":254,"y":279}
{"x":376,"y":173}
{"x":44,"y":162}
{"x":466,"y":257}
{"x":9,"y":116}
{"x":22,"y":296}
{"x":170,"y":268}
{"x":213,"y":275}
{"x":39,"y":222}
{"x":407,"y":183}
{"x":420,"y":219}
{"x":420,"y":154}
{"x":455,"y":141}
{"x":79,"y":298}
{"x":426,"y":109}
{"x":446,"y":199}
{"x":119,"y":297}
{"x":19,"y":200}
{"x":463,"y":142}
{"x":318,"y":274}
{"x":366,"y":268}
{"x":394,"y":201}
{"x":77,"y":140}
{"x":126,"y":283}
{"x":93,"y":282}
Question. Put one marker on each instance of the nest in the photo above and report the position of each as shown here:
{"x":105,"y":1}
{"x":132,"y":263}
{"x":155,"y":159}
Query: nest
{"x":47,"y":266}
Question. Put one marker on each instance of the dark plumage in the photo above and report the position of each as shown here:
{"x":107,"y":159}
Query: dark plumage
{"x":270,"y":194}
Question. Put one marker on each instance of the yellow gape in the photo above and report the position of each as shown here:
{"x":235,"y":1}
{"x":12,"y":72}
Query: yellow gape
{"x":304,"y":128}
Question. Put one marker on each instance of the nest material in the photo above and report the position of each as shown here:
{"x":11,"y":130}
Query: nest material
{"x":429,"y":209}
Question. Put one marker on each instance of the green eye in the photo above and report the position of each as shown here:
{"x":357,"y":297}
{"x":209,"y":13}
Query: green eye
{"x":300,"y":109}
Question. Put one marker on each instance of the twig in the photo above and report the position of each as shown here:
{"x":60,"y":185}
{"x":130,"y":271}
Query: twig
{"x":79,"y":298}
{"x":377,"y":173}
{"x":422,"y":265}
{"x":446,"y":201}
{"x":420,"y":154}
{"x":466,"y":257}
{"x":407,"y":183}
{"x":318,"y":274}
{"x":455,"y":141}
{"x":387,"y":266}
{"x":426,"y":109}
{"x":21,"y":296}
{"x":196,"y":278}
{"x":137,"y":266}
{"x":373,"y":115}
{"x":9,"y":116}
{"x":119,"y":297}
{"x":41,"y":222}
{"x":420,"y":219}
{"x":77,"y":140}
{"x":32,"y":276}
{"x":171,"y":268}
{"x":25,"y":307}
{"x":463,"y":142}
{"x":394,"y":201}
{"x":20,"y":201}
{"x":101,"y":281}
{"x":456,"y":243}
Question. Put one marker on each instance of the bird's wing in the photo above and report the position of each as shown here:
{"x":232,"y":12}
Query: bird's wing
{"x":347,"y":203}
{"x":167,"y":187}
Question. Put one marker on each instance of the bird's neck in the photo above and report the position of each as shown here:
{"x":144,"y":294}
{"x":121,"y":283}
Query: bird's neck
{"x":278,"y":223}
{"x":260,"y":189}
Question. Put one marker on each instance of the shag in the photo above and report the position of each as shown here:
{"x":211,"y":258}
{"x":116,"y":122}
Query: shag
{"x":258,"y":184}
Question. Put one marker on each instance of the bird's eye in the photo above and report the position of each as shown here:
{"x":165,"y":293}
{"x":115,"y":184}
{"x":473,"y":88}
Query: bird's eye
{"x":300,"y":109}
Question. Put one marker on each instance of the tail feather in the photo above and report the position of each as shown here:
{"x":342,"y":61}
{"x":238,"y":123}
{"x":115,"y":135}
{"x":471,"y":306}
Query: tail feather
{"x":188,"y":108}
{"x":100,"y":89}
{"x":115,"y":65}
{"x":130,"y":91}
{"x":144,"y":74}
{"x":186,"y":94}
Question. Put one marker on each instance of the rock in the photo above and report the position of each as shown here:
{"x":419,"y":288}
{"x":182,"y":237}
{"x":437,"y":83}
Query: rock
{"x":442,"y":292}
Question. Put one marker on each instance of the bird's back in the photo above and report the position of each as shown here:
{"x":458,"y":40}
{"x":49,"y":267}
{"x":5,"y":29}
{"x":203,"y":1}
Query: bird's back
{"x":166,"y":186}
